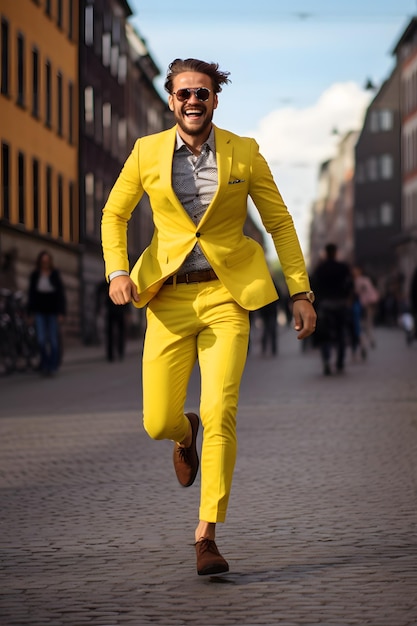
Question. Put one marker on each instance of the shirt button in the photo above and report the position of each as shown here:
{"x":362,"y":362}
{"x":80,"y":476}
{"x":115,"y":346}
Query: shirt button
{"x":197,"y":234}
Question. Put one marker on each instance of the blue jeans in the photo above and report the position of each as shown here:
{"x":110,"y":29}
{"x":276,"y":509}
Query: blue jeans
{"x":47,"y":332}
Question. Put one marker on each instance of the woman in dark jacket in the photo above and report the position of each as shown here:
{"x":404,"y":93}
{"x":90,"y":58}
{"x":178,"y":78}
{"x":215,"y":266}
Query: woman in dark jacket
{"x":47,"y":303}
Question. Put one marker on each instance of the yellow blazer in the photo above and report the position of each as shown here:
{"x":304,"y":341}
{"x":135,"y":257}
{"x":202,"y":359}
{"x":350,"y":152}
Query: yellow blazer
{"x":238,"y":260}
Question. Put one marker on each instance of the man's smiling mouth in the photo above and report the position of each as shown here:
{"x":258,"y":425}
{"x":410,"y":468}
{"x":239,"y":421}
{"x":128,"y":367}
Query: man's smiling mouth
{"x":193,"y":113}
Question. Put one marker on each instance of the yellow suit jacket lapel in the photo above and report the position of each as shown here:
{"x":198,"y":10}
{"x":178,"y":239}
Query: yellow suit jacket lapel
{"x":166,"y":152}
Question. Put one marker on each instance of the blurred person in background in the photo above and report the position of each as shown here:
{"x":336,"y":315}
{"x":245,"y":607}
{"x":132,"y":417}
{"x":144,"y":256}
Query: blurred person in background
{"x":368,"y":297}
{"x":115,"y":317}
{"x":333,"y":286}
{"x":269,"y":339}
{"x":47,"y":304}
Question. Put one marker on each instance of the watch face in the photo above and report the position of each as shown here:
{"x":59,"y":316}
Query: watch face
{"x":311,"y":296}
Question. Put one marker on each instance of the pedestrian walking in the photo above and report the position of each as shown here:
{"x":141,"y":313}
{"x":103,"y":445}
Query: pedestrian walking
{"x":332,"y":284}
{"x":269,"y":339}
{"x":199,"y":278}
{"x":115,"y":323}
{"x":47,"y":303}
{"x":368,"y":297}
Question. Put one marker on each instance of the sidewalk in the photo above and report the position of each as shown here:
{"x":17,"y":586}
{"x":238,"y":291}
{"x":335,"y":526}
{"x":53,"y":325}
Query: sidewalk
{"x":321,"y":529}
{"x":78,"y":352}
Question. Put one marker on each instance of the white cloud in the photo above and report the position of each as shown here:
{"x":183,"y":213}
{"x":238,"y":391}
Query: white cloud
{"x":291,"y":135}
{"x":295,"y":142}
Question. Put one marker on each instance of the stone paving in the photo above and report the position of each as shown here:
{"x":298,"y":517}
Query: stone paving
{"x":95,"y":530}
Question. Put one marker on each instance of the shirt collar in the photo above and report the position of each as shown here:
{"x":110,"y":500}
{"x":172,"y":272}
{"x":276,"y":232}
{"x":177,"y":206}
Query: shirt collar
{"x":210,"y":143}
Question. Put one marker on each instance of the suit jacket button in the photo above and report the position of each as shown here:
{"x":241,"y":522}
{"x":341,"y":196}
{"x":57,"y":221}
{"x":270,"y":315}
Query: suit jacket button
{"x":197,"y":234}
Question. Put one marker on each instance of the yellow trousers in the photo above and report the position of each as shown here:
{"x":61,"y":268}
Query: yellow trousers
{"x":185,"y":323}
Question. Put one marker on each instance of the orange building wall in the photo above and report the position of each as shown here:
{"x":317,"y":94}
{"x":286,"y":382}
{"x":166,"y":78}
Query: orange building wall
{"x":29,"y":135}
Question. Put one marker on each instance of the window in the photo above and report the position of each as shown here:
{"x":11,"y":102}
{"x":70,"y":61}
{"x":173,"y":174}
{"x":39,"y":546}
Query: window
{"x":89,"y":110}
{"x":70,"y":112}
{"x":386,"y":214}
{"x":35,"y":82}
{"x":5,"y":181}
{"x":89,"y":203}
{"x":89,"y":26}
{"x":59,"y":13}
{"x":35,"y":190}
{"x":114,"y":60}
{"x":59,"y":103}
{"x":107,"y":123}
{"x":386,"y":166}
{"x":373,"y":121}
{"x":386,"y":119}
{"x":5,"y":57}
{"x":21,"y":186}
{"x":89,"y":104}
{"x":49,"y":199}
{"x":106,"y":49}
{"x":122,"y":136}
{"x":70,"y":19}
{"x":60,"y":207}
{"x":20,"y":70}
{"x":48,"y":94}
{"x":122,"y":69}
{"x":106,"y":115}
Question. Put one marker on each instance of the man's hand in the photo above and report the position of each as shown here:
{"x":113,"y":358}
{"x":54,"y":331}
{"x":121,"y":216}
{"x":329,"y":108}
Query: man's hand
{"x":123,"y":290}
{"x":304,"y":318}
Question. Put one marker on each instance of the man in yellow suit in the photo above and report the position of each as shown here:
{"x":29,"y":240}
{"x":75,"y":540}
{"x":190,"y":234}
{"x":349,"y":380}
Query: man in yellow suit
{"x":199,"y":277}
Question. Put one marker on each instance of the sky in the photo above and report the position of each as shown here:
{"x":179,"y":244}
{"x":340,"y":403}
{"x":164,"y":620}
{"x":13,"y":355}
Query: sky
{"x":298,"y":70}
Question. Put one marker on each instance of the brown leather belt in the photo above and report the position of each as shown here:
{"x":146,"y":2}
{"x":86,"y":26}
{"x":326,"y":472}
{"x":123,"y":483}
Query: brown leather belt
{"x":192,"y":277}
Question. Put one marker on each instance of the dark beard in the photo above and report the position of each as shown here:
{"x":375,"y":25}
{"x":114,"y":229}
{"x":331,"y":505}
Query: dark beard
{"x":196,"y":131}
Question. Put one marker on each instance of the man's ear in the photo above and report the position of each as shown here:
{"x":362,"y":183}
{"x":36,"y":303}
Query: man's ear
{"x":170,"y":102}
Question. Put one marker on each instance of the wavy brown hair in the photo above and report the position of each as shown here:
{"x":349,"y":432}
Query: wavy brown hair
{"x":178,"y":66}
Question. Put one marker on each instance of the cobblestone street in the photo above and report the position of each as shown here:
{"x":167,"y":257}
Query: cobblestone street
{"x":95,"y":529}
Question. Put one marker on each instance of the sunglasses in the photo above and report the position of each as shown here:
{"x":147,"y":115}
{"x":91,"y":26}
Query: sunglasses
{"x":201,"y":94}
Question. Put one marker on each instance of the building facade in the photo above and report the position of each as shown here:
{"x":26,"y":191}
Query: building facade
{"x":378,"y":186}
{"x":406,"y":55}
{"x":39,"y":141}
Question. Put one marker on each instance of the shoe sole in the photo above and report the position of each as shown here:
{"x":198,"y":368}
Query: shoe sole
{"x":213,"y":569}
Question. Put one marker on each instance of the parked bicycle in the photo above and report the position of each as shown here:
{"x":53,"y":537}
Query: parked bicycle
{"x":19,"y":350}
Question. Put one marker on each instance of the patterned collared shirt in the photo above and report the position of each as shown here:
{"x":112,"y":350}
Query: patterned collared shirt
{"x":194,"y":180}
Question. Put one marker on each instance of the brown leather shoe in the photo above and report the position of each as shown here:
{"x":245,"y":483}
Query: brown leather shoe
{"x":186,"y":459}
{"x":209,"y":559}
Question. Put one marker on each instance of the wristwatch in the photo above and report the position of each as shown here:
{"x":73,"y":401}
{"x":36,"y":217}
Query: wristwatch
{"x":304,"y":295}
